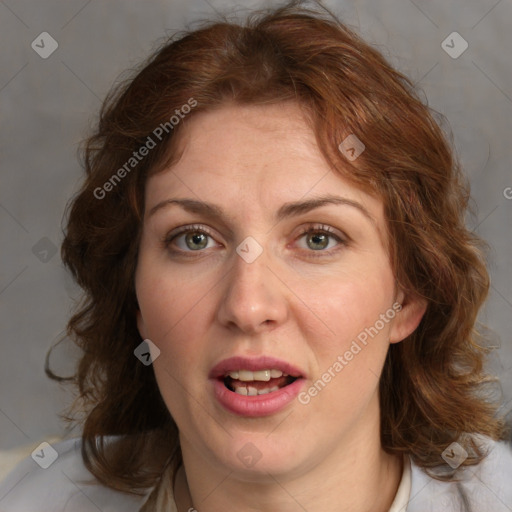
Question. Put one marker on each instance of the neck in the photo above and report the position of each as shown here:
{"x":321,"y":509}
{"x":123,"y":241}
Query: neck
{"x":357,"y":476}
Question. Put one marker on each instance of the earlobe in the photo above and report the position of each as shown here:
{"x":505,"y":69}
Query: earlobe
{"x":408,"y":318}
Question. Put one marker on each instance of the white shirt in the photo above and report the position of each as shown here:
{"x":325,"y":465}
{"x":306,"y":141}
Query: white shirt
{"x":404,"y":489}
{"x":67,"y":486}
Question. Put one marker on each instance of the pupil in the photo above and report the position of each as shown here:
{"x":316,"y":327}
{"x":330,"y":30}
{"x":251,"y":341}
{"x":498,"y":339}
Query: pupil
{"x":319,"y":240}
{"x":196,"y":240}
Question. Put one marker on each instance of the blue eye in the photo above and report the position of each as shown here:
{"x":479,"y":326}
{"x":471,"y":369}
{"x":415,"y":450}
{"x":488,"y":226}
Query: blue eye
{"x":320,"y":239}
{"x":313,"y":239}
{"x":191,"y":238}
{"x":196,"y":240}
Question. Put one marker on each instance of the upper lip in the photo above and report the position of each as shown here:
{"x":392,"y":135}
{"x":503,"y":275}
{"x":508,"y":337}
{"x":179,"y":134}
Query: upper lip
{"x":225,"y":366}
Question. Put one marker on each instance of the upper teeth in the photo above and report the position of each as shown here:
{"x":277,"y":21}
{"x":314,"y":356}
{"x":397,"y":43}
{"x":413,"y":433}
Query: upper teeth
{"x":263,"y":375}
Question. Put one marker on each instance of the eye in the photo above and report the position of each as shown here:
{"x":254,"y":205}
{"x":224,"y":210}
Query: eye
{"x":320,"y":239}
{"x":190,"y":239}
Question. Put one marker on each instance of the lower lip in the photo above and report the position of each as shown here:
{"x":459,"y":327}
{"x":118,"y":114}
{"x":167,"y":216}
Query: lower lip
{"x":259,"y":405}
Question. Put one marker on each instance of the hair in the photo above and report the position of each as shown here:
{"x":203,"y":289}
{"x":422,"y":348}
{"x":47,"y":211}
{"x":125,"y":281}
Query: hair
{"x":432,"y":385}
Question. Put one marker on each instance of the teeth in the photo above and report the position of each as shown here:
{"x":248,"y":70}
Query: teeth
{"x":241,"y":391}
{"x":261,"y":375}
{"x":245,"y":375}
{"x":250,"y":391}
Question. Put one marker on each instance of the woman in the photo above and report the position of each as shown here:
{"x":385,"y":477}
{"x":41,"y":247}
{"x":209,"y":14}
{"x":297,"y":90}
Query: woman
{"x":281,"y":294}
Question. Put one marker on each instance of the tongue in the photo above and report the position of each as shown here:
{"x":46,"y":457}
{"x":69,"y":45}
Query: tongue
{"x":258,"y":384}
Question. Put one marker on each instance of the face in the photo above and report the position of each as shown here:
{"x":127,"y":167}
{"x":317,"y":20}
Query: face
{"x":254,"y":249}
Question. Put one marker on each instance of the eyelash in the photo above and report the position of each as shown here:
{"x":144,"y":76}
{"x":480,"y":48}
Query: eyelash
{"x":308,"y":230}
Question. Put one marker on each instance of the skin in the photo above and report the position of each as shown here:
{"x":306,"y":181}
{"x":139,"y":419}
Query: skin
{"x":296,"y":302}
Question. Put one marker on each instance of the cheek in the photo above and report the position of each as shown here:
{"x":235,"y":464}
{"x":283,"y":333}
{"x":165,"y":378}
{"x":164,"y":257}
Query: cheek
{"x":175,"y":320}
{"x":350,"y":360}
{"x":348,"y":303}
{"x":173,"y":312}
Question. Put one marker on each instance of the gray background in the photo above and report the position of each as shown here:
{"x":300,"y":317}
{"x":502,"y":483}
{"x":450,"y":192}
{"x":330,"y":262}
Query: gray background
{"x":48,"y":105}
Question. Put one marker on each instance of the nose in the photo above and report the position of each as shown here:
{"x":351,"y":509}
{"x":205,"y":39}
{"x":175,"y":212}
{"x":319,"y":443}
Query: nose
{"x":253,"y":299}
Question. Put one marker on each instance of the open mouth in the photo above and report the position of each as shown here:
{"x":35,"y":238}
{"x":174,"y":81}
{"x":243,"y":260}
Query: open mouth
{"x":240,"y":381}
{"x":262,"y":382}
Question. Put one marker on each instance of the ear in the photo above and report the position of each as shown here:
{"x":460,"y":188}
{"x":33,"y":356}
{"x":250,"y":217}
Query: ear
{"x":408,"y":318}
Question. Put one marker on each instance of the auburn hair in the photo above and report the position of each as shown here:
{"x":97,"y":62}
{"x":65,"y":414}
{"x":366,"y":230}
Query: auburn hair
{"x":431,"y":388}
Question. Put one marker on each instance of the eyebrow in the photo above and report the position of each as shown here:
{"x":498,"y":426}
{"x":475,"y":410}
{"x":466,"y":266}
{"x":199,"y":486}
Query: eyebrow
{"x":285,"y":211}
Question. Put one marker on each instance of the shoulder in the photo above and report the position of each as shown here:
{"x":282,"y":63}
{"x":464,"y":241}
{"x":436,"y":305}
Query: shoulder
{"x":486,"y":486}
{"x":56,"y":480}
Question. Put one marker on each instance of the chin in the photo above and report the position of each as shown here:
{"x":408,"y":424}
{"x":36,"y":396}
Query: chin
{"x":254,"y":457}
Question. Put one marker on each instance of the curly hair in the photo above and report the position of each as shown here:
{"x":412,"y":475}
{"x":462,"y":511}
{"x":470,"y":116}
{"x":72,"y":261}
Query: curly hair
{"x":431,"y":389}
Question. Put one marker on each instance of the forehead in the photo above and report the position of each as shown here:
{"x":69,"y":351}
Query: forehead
{"x":249,"y":143}
{"x":252,"y":157}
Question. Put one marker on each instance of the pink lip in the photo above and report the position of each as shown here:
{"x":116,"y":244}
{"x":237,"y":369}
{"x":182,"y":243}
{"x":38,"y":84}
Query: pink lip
{"x":260,"y":405}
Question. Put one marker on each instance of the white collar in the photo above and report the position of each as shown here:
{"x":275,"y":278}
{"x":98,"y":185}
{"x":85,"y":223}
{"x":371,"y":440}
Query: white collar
{"x":404,"y":489}
{"x":399,"y":503}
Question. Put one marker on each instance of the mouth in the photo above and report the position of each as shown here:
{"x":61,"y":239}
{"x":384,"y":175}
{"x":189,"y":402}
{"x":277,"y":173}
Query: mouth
{"x":254,"y":383}
{"x":256,"y":386}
